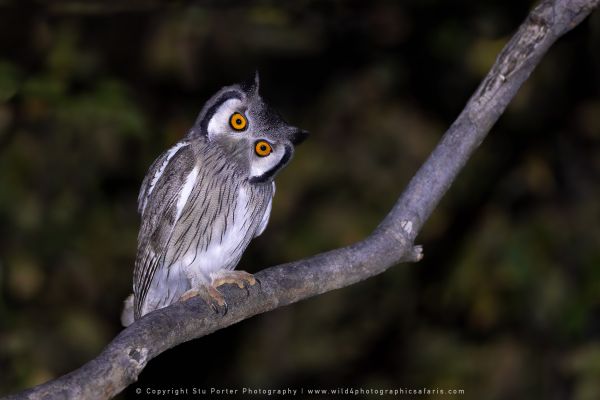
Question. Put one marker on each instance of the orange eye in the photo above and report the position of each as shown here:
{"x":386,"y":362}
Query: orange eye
{"x":238,"y":121}
{"x":262,"y":148}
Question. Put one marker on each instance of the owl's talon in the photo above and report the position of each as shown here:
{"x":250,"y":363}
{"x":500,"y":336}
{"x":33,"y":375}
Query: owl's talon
{"x":217,"y":310}
{"x":218,"y":306}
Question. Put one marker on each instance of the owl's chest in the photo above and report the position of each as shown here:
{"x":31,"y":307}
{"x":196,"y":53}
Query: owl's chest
{"x":217,"y":226}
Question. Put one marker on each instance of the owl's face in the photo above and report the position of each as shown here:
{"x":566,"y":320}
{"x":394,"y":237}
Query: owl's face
{"x":253,"y":134}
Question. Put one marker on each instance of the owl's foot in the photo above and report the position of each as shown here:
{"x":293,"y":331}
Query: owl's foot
{"x":189,"y":294}
{"x":210,"y":295}
{"x":239,"y":278}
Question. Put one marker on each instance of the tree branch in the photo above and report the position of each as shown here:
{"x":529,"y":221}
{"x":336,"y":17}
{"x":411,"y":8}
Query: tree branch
{"x":125,"y":357}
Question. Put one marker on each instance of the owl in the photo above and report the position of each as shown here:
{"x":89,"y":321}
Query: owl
{"x":203,"y":201}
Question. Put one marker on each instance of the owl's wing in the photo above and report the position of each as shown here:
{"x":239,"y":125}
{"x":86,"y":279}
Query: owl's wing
{"x":265,"y":219}
{"x":156,"y":170}
{"x":158,"y":205}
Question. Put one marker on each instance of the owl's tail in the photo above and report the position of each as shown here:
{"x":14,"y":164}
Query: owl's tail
{"x":127,"y":314}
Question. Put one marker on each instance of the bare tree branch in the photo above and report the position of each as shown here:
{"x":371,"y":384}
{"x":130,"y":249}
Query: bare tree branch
{"x":125,"y":357}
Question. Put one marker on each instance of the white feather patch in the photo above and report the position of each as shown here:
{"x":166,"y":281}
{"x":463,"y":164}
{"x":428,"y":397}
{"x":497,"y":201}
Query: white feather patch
{"x":170,"y":153}
{"x":190,"y":181}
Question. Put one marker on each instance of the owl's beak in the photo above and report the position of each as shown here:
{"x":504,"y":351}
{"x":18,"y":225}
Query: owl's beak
{"x":298,"y":136}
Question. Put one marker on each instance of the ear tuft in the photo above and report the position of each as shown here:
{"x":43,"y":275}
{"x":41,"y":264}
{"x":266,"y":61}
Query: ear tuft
{"x":252,"y":84}
{"x":256,"y":81}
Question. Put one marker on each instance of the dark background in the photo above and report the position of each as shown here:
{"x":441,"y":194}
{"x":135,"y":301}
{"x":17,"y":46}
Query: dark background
{"x":506,"y":303}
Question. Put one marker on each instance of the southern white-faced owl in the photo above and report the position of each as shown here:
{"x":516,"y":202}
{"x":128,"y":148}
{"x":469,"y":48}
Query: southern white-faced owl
{"x":205,"y":198}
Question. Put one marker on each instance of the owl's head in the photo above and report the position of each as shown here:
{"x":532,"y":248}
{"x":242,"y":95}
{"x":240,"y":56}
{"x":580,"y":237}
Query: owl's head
{"x":237,"y":118}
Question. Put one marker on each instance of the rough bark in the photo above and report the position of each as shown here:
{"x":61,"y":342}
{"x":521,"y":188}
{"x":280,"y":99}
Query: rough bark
{"x":125,"y":357}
